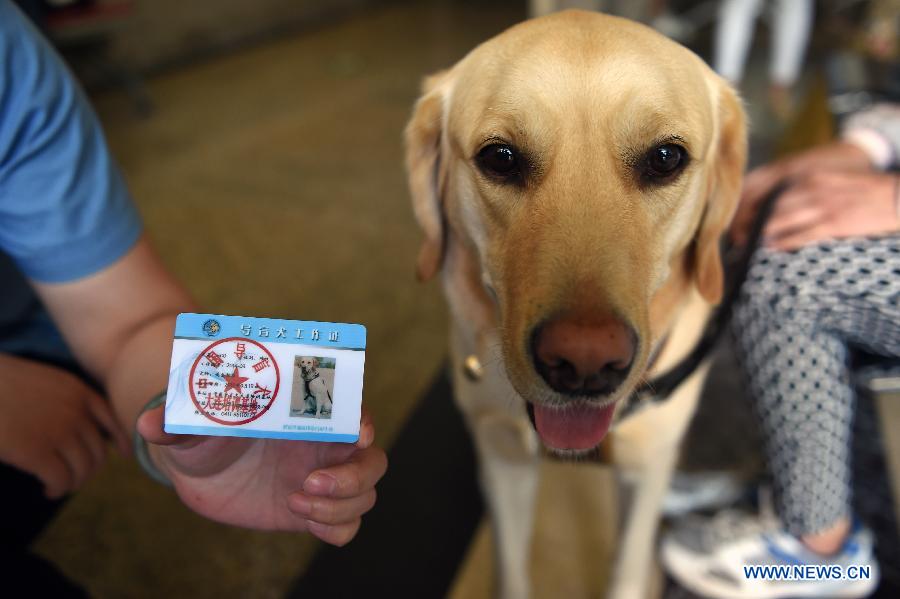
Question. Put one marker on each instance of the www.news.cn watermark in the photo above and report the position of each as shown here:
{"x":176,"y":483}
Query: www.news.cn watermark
{"x":808,"y":572}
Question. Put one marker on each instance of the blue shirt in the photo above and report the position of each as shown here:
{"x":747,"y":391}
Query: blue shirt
{"x":65,"y":212}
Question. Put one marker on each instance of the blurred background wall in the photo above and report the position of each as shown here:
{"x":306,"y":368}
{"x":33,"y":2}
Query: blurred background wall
{"x":163,"y":32}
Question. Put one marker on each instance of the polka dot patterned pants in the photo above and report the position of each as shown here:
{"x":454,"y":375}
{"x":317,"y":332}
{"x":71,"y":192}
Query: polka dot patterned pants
{"x":800,"y":315}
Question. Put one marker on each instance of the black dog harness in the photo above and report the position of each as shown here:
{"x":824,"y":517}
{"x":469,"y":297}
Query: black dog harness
{"x":658,"y":389}
{"x":308,"y":393}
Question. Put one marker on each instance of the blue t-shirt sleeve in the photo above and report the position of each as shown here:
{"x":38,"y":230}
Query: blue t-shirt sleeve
{"x":65,"y":211}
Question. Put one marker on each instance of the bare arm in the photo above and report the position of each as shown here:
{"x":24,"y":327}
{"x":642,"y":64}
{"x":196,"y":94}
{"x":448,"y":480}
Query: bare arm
{"x":119,"y":324}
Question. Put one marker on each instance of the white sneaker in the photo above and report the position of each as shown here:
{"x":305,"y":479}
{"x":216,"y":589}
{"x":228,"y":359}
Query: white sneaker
{"x":696,"y":491}
{"x":736,"y":556}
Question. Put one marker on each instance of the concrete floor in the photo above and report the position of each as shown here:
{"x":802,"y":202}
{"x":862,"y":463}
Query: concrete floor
{"x":271,"y":181}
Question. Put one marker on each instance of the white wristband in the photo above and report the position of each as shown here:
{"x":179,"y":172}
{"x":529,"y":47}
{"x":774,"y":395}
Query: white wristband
{"x":875,"y":146}
{"x":140,"y":445}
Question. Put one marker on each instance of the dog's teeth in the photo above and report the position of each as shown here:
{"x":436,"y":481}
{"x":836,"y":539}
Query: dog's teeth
{"x":472,"y":368}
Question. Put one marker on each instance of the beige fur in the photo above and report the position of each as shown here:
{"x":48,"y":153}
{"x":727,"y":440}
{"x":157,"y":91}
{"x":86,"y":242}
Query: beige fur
{"x":309,"y":371}
{"x":584,"y":95}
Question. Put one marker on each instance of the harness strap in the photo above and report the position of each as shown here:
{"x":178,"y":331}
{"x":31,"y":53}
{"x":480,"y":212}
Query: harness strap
{"x":660,"y":388}
{"x":306,"y":383}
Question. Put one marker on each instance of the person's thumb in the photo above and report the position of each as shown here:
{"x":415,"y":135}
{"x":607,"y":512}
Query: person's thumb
{"x":150,"y":427}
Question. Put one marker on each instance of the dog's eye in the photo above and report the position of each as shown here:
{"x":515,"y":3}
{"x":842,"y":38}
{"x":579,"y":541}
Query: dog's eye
{"x":499,"y":160}
{"x":663,"y":162}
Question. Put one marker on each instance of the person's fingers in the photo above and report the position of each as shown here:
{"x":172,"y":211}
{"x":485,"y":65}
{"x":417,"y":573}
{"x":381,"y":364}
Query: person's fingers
{"x":799,"y":238}
{"x":760,"y":181}
{"x":792,"y":221}
{"x":150,"y":427}
{"x":740,"y":224}
{"x":828,"y":181}
{"x":798,"y":194}
{"x":55,"y":475}
{"x":93,"y":441}
{"x":366,"y":430}
{"x":103,"y":414}
{"x":78,"y":460}
{"x":757,"y":186}
{"x":335,"y":534}
{"x":790,"y":199}
{"x":357,"y":475}
{"x":331,"y":511}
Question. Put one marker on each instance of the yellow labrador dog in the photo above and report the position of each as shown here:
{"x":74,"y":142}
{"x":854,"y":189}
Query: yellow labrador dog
{"x":317,"y":396}
{"x":573,"y":176}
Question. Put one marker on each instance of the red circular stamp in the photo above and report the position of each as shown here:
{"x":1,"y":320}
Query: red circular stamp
{"x":234,"y":381}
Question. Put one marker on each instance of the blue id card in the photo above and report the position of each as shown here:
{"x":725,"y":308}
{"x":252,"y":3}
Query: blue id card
{"x":264,"y":377}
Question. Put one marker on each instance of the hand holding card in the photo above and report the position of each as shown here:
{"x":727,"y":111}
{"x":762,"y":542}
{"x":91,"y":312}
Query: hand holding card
{"x":271,"y":484}
{"x":268,"y":422}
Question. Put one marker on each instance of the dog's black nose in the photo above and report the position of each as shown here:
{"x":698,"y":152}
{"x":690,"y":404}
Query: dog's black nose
{"x":579,"y":358}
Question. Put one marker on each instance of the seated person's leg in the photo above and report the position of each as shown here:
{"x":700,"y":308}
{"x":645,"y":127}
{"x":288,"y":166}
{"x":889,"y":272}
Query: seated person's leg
{"x":798,"y":313}
{"x":799,"y":383}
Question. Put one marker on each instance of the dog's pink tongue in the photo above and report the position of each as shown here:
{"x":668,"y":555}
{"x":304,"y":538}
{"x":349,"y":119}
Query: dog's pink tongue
{"x":576,"y":427}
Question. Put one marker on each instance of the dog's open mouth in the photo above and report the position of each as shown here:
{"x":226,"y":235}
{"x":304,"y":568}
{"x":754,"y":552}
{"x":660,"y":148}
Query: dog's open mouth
{"x":578,"y":427}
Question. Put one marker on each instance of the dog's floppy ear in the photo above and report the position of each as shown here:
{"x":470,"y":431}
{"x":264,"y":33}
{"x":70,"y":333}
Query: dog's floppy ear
{"x":723,"y":193}
{"x":423,"y":164}
{"x":315,"y":362}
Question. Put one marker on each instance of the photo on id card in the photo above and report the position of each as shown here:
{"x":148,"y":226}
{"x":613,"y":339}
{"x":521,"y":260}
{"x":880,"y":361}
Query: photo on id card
{"x":312,"y":394}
